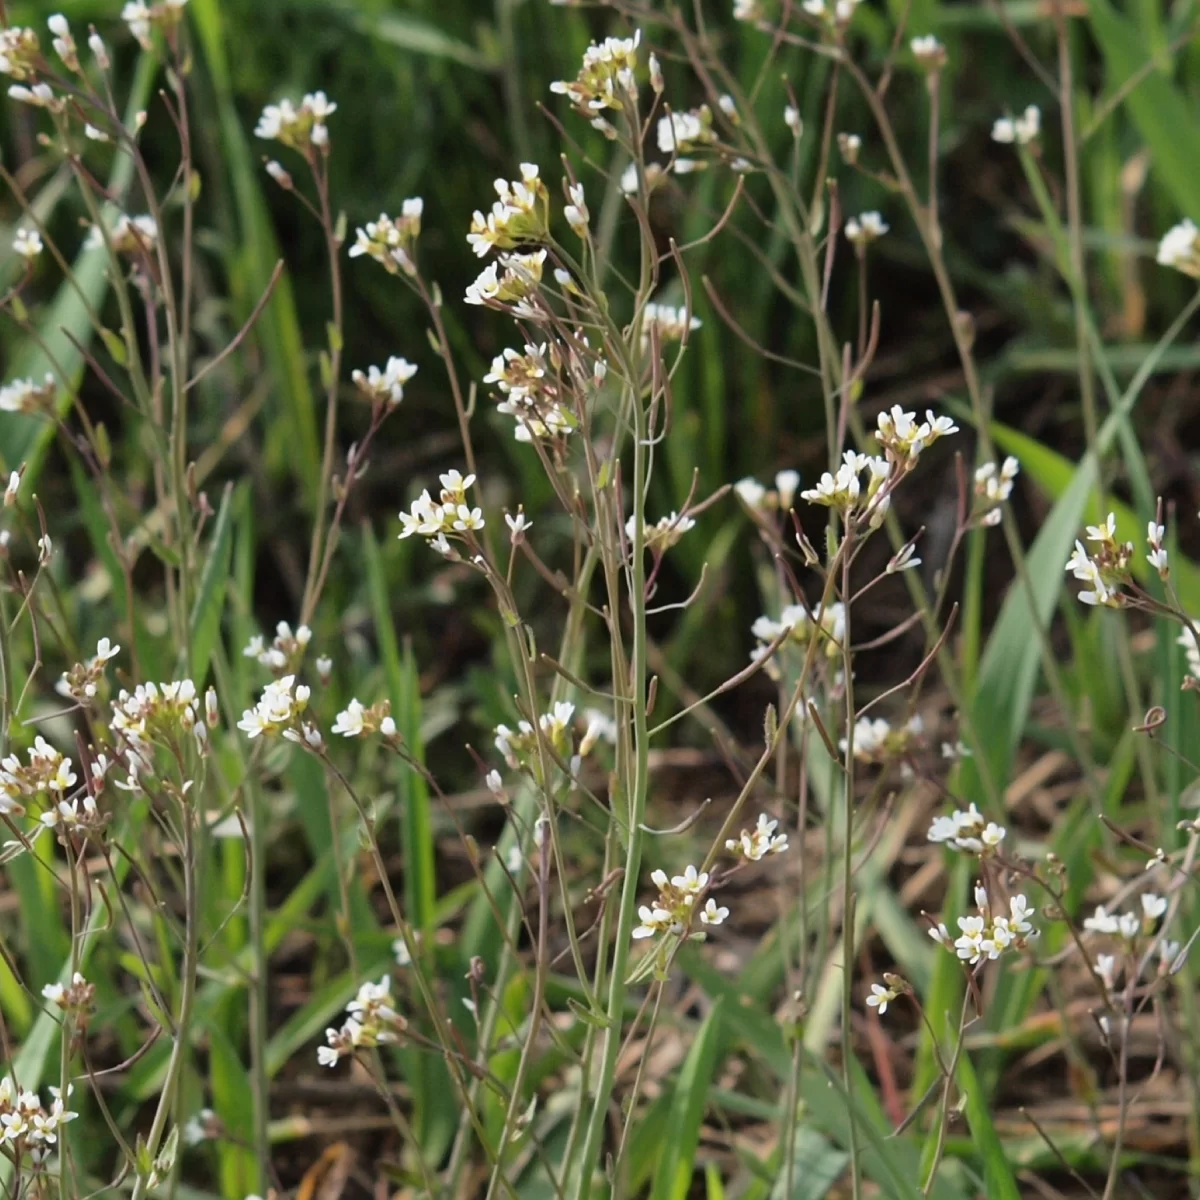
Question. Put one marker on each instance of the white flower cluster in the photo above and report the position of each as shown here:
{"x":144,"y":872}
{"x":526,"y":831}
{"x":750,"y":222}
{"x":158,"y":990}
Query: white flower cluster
{"x":356,"y":721}
{"x":756,"y":497}
{"x":384,"y":387}
{"x":682,"y":133}
{"x":663,"y":534}
{"x":25,"y":396}
{"x":283,"y":655}
{"x":19,"y":52}
{"x":26,"y":1125}
{"x":392,"y":243}
{"x":1128,"y":926}
{"x":799,"y":626}
{"x":1020,"y":130}
{"x":866,"y":228}
{"x":1180,"y":248}
{"x":129,"y":235}
{"x":986,"y":935}
{"x":48,"y":770}
{"x":520,"y":214}
{"x":929,"y":52}
{"x":845,"y":491}
{"x":82,"y":680}
{"x":903,"y":437}
{"x":675,"y":906}
{"x":143,"y":18}
{"x":520,"y":747}
{"x":297,"y":127}
{"x":876,"y":742}
{"x":449,"y":516}
{"x":27,"y":244}
{"x":671,"y":324}
{"x":755,"y":844}
{"x":1105,"y":571}
{"x":279,"y":710}
{"x":967,"y":831}
{"x":510,"y":281}
{"x":532,"y":391}
{"x":156,"y":714}
{"x":605,"y":80}
{"x":992,"y":488}
{"x":74,"y":997}
{"x":372,"y":1020}
{"x":835,"y":13}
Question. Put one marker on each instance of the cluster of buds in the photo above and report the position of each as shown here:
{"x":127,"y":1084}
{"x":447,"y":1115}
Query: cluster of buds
{"x":371,"y":1020}
{"x":134,"y":236}
{"x":356,"y":721}
{"x":83,"y":680}
{"x":48,"y":771}
{"x":675,"y":906}
{"x":986,"y":934}
{"x":75,"y":998}
{"x":829,"y":625}
{"x":758,"y":498}
{"x":511,"y":281}
{"x":669,"y":323}
{"x":26,"y":1125}
{"x":1128,"y":926}
{"x":755,"y":844}
{"x":663,"y":534}
{"x":285,"y":652}
{"x":864,"y":229}
{"x":1105,"y":571}
{"x":25,"y":396}
{"x":392,"y":243}
{"x":1180,"y":248}
{"x":967,"y":831}
{"x":300,"y":128}
{"x":903,"y":438}
{"x":847,"y":493}
{"x":279,"y":710}
{"x":1020,"y":130}
{"x":992,"y":488}
{"x":143,"y":19}
{"x":533,"y":393}
{"x":876,"y":742}
{"x":384,"y":388}
{"x":520,"y":214}
{"x":449,"y":516}
{"x":606,"y":80}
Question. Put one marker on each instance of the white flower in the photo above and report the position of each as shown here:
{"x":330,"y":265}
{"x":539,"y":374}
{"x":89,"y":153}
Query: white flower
{"x":1180,"y":248}
{"x":690,"y":883}
{"x":678,"y":130}
{"x":750,"y":492}
{"x":1100,"y":922}
{"x":791,"y":118}
{"x":865,"y":228}
{"x":10,"y":492}
{"x":387,"y":385}
{"x":349,"y":722}
{"x":1022,"y":130}
{"x":786,"y":483}
{"x":710,"y":914}
{"x":1153,"y":906}
{"x":756,"y":844}
{"x":881,"y":997}
{"x":576,"y":212}
{"x":517,"y":525}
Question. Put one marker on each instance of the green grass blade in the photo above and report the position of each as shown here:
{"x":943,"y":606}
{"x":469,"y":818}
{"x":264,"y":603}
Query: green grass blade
{"x":205,"y":624}
{"x":673,"y":1180}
